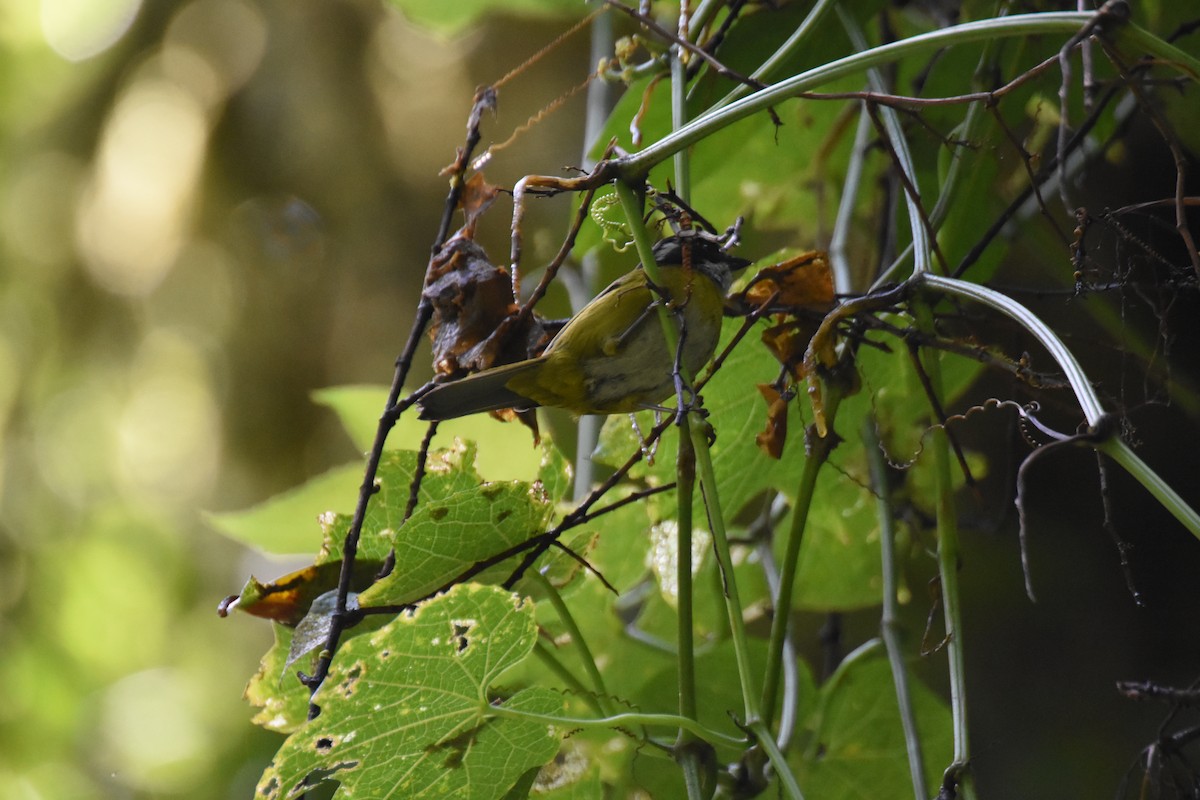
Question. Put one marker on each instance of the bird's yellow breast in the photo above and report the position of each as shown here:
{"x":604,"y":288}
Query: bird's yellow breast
{"x":613,"y":356}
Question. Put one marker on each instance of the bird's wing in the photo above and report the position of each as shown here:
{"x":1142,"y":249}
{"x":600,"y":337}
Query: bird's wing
{"x":483,"y":391}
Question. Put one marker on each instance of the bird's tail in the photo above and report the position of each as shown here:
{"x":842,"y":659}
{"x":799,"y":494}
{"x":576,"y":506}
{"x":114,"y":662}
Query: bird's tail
{"x":483,"y":391}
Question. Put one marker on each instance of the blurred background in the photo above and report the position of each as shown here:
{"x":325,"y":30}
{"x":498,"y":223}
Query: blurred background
{"x":207,"y":210}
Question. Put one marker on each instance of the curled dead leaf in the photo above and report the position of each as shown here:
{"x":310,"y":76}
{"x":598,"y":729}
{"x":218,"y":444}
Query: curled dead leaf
{"x":802,"y":282}
{"x":773,"y":437}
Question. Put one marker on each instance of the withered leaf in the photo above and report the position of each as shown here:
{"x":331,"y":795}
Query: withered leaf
{"x":803,"y":282}
{"x":788,"y":342}
{"x":474,"y":313}
{"x":287,"y":599}
{"x":477,"y":196}
{"x":774,"y":435}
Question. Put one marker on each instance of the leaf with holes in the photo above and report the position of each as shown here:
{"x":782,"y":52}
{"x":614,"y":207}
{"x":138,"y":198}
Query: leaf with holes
{"x":412,"y":710}
{"x":443,"y":539}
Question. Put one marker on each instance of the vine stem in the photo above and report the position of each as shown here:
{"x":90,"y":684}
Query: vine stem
{"x":1085,"y":394}
{"x":576,"y":634}
{"x":984,"y":30}
{"x":922,"y":243}
{"x":631,"y":203}
{"x":708,"y":483}
{"x":775,"y":756}
{"x":619,"y":721}
{"x":889,"y":623}
{"x":821,"y":446}
{"x":685,"y":478}
{"x":543,"y":652}
{"x":733,"y":602}
{"x":685,"y":482}
{"x":948,"y":565}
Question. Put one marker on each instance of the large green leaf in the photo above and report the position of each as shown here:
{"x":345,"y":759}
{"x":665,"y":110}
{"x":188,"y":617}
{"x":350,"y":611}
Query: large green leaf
{"x":447,"y":536}
{"x":857,"y":749}
{"x":287,"y":523}
{"x":510,"y":454}
{"x":413,"y":710}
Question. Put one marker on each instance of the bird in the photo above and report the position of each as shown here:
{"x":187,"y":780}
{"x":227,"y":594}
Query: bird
{"x":612,"y":357}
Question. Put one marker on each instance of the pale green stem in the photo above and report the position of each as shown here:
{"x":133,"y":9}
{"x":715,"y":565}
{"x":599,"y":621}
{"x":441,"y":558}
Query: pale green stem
{"x":1088,"y":400}
{"x":1143,"y":40}
{"x":830,"y":690}
{"x":968,"y":33}
{"x":783,"y":770}
{"x":733,"y":601}
{"x":632,"y":205}
{"x":889,"y":624}
{"x":839,"y":261}
{"x":948,"y":565}
{"x":599,"y":104}
{"x":546,"y":655}
{"x":683,"y":174}
{"x":899,"y":142}
{"x":1123,"y":454}
{"x":813,"y":462}
{"x":619,"y":721}
{"x":783,"y":53}
{"x":577,"y":638}
{"x":685,"y":481}
{"x":689,"y":759}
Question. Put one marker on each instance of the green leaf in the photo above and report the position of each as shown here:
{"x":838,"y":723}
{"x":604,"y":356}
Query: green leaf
{"x":281,"y":699}
{"x":449,"y":534}
{"x":839,"y":567}
{"x":287,"y":523}
{"x":447,"y":473}
{"x":413,"y":711}
{"x":510,"y":454}
{"x":857,"y":750}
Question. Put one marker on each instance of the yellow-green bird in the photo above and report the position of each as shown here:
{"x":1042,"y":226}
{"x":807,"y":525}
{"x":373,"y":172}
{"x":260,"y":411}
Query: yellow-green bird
{"x":612,"y":356}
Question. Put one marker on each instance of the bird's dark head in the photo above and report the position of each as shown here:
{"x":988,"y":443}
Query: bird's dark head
{"x":705,"y":253}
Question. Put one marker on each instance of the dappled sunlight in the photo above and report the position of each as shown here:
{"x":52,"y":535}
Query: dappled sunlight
{"x":72,"y":452}
{"x":401,"y":59}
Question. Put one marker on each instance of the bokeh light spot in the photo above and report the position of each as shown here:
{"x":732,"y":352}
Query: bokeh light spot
{"x":133,"y":217}
{"x":151,"y":730}
{"x":37,"y":204}
{"x":168,"y":435}
{"x":79,"y":29}
{"x":230,"y":35}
